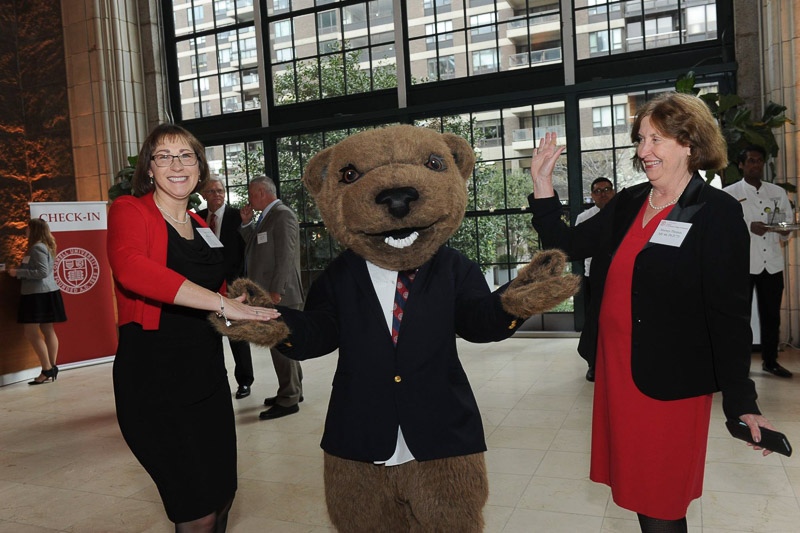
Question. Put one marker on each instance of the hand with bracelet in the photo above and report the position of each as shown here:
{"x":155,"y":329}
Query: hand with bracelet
{"x":236,"y":309}
{"x":192,"y":295}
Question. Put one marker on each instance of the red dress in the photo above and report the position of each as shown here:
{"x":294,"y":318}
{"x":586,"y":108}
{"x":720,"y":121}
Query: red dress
{"x":650,"y":452}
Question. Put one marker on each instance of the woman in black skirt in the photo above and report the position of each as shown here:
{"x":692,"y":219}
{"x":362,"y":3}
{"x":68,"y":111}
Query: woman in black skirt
{"x":170,"y":386}
{"x":41,"y":304}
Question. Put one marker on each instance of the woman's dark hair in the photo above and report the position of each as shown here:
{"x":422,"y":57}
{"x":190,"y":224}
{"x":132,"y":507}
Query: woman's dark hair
{"x":686,"y":119}
{"x":141,"y":182}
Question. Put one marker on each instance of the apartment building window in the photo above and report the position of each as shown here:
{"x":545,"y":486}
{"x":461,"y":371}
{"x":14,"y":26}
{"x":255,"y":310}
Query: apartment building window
{"x":282,"y":29}
{"x":326,"y":22}
{"x":284,"y":54}
{"x":439,"y":33}
{"x":606,"y":116}
{"x":603,"y":41}
{"x":701,"y":23}
{"x":484,"y":61}
{"x":443,"y":68}
{"x":482,"y":25}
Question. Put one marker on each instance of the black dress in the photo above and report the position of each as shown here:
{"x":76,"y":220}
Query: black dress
{"x":172,"y":394}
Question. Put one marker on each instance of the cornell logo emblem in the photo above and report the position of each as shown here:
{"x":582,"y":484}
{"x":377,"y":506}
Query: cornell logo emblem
{"x":77,"y":270}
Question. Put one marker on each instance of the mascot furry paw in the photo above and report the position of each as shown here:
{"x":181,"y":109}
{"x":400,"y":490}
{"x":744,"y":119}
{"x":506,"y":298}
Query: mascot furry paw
{"x":403,"y":436}
{"x":540,"y":285}
{"x":262,"y":333}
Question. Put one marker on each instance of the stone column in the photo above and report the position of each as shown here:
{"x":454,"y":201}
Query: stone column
{"x":106,"y":92}
{"x":780,"y":21}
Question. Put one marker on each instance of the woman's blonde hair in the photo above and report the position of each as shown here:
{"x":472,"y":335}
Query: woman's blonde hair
{"x":688,"y":120}
{"x":39,"y":231}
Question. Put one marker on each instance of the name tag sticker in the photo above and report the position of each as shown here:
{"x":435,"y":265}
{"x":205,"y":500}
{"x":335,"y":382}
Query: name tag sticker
{"x":209,"y":237}
{"x":262,"y":237}
{"x":26,"y":259}
{"x":671,"y":233}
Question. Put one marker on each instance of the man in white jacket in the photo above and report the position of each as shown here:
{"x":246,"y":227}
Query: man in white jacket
{"x":764,"y":203}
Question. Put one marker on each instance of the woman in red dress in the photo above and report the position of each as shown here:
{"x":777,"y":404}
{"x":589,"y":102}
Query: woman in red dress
{"x":670,"y":260}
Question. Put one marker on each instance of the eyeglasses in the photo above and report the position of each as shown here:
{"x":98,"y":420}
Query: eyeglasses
{"x":603,"y":190}
{"x":209,"y":192}
{"x":187,"y":159}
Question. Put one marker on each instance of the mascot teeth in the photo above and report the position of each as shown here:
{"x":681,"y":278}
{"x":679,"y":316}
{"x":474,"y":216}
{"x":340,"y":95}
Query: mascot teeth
{"x":401,"y":243}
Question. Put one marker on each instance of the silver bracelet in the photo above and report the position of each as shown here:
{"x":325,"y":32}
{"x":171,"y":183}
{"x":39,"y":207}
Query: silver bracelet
{"x":221,"y":313}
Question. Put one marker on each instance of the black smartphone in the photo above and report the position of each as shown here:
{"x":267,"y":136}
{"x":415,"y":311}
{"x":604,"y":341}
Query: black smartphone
{"x":771,"y":440}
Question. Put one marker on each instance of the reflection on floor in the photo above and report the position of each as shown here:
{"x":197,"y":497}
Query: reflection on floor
{"x":64,"y":466}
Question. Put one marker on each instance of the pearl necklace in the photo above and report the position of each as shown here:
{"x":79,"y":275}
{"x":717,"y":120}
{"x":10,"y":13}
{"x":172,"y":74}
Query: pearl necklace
{"x":650,"y":201}
{"x":175,"y":220}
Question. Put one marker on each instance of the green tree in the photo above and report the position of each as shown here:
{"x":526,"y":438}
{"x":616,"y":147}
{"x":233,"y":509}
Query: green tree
{"x":335,"y":74}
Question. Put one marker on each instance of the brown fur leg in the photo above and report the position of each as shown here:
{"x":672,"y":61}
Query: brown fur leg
{"x":446,"y":495}
{"x":361,"y":498}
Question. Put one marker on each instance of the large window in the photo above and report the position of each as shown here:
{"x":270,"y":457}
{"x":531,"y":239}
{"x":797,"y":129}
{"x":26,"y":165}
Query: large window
{"x":215,"y":46}
{"x":482,"y":36}
{"x":326,"y":53}
{"x":491,"y":71}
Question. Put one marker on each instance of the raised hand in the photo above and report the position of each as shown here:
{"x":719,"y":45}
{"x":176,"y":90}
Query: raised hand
{"x":543,"y":163}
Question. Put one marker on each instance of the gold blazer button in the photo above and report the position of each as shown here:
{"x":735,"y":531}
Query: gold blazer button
{"x":398,"y":379}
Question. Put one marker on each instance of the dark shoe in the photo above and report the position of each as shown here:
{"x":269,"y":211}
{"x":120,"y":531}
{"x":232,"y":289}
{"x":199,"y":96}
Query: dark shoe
{"x":242,"y":392}
{"x":269,"y":402}
{"x":277,"y":411}
{"x":48,"y":375}
{"x":590,"y":374}
{"x":776,"y":369}
{"x":55,"y":372}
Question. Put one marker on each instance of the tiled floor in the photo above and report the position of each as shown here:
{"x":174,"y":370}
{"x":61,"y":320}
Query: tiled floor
{"x":64,"y":466}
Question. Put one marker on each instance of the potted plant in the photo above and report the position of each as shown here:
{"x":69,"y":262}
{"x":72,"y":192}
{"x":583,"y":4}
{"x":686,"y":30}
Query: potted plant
{"x":739,"y":128}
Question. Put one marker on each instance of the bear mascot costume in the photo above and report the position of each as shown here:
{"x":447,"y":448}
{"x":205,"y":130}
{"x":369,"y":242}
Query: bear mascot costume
{"x":403,"y":440}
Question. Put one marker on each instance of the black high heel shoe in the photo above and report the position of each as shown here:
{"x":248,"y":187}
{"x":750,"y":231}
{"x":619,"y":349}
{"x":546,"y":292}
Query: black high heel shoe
{"x":48,"y":375}
{"x":55,"y":372}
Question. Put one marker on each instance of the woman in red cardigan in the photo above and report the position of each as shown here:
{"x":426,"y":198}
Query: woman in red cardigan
{"x":171,"y":390}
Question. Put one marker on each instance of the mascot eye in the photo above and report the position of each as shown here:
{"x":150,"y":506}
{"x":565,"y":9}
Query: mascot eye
{"x":435,"y":162}
{"x":349,"y":174}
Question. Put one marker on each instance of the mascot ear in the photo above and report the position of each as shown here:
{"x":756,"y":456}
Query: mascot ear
{"x":314,"y":174}
{"x":462,"y":153}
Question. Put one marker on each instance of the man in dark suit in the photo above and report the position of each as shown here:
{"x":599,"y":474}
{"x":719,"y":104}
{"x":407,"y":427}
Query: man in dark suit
{"x":225,"y":221}
{"x":272,"y":259}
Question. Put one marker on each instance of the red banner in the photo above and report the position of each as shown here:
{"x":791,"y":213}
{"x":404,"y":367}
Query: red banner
{"x":83,"y":274}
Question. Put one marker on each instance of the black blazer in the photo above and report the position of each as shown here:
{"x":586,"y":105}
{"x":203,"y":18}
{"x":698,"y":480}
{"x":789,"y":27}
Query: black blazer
{"x":419,"y":385}
{"x":233,"y":243}
{"x":690,"y":306}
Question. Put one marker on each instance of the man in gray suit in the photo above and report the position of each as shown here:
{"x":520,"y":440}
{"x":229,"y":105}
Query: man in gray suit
{"x":272,"y":259}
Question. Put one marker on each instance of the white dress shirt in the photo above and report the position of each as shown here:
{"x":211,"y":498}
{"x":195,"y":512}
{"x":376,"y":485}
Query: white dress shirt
{"x":385,"y":284}
{"x":583,"y":217}
{"x":765,"y":251}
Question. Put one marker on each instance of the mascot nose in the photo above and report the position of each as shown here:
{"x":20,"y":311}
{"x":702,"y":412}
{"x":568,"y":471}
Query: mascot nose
{"x":397,"y":200}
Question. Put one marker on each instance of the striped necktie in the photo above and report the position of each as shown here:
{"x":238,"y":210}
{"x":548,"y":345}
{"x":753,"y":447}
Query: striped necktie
{"x":404,"y":280}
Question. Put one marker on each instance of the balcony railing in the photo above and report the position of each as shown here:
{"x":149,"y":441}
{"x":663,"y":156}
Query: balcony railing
{"x":528,"y":134}
{"x":524,"y":59}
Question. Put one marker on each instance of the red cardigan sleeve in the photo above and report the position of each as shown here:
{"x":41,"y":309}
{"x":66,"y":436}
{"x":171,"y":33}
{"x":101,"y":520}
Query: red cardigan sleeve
{"x":137,"y":250}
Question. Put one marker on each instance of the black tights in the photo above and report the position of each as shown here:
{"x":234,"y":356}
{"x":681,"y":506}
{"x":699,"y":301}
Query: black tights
{"x":656,"y":525}
{"x":216,"y":522}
